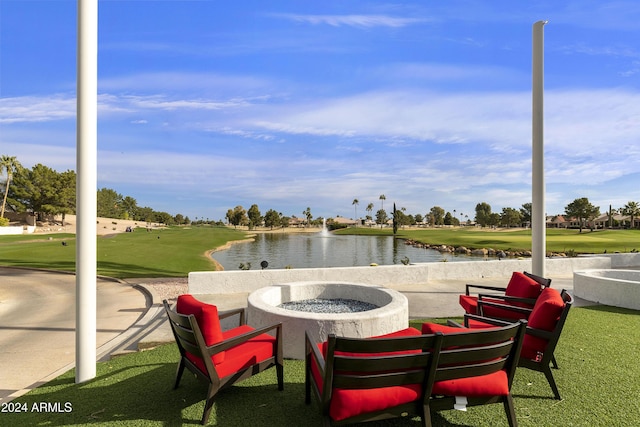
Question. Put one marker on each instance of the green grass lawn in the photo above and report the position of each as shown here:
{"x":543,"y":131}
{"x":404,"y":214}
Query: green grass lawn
{"x":598,"y":379}
{"x":170,"y":252}
{"x":175,"y":251}
{"x":558,"y":240}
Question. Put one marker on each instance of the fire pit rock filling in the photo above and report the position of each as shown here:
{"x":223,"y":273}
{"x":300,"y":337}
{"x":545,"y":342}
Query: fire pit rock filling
{"x":345,"y":309}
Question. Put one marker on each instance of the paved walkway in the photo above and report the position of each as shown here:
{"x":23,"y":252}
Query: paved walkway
{"x":37,"y":320}
{"x":37,"y":324}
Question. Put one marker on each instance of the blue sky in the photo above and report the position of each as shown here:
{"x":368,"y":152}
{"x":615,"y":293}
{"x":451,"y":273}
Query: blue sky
{"x":205,"y":105}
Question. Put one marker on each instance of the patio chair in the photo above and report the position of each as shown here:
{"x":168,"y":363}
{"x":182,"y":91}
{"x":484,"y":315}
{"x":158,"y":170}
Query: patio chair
{"x":366,"y":379}
{"x":546,"y":321}
{"x":522,"y":291}
{"x":217,"y":357}
{"x":476,"y":367}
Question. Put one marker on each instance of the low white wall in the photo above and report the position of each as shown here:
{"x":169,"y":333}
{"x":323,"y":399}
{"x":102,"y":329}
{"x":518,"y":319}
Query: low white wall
{"x":619,"y":288}
{"x":17,"y":229}
{"x":624,"y":260}
{"x":229,"y":282}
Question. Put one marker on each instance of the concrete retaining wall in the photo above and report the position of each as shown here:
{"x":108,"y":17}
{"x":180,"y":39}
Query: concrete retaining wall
{"x":229,"y":282}
{"x":619,"y":288}
{"x":624,"y":260}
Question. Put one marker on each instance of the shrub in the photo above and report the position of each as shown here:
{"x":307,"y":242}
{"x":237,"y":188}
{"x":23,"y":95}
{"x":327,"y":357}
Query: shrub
{"x":4,"y":222}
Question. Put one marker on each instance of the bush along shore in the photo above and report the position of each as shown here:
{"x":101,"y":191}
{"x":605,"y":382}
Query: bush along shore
{"x":484,"y":252}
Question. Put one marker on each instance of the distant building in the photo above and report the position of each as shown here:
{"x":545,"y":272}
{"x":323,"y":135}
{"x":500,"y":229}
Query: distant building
{"x":345,"y":221}
{"x":557,"y":221}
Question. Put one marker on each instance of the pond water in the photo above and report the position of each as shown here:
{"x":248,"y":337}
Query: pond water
{"x":326,"y":250}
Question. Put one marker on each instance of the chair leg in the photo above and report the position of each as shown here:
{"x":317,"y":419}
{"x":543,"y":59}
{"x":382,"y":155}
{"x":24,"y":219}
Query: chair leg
{"x":510,"y":409}
{"x":552,"y":382}
{"x":179,"y":372}
{"x":426,"y":416}
{"x":554,"y":362}
{"x":307,"y":381}
{"x":307,"y":392}
{"x":208,"y":404}
{"x":280,"y":375}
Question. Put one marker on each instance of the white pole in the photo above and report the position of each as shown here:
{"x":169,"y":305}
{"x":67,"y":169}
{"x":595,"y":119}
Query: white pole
{"x":538,"y":214}
{"x":86,"y":188}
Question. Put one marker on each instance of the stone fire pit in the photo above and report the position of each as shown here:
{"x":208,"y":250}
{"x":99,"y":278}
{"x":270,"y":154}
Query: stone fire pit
{"x":391,"y":315}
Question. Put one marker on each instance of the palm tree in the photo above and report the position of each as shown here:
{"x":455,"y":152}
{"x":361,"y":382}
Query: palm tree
{"x":369,"y":208}
{"x":10,"y":165}
{"x":633,"y":210}
{"x":307,"y":214}
{"x":355,"y":207}
{"x":382,"y":198}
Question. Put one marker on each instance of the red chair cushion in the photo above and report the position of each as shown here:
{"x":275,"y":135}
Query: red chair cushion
{"x":545,"y":315}
{"x":495,"y":384}
{"x":469,"y":303}
{"x":401,"y":333}
{"x":208,"y":321}
{"x":432,"y":328}
{"x":522,"y":286}
{"x":347,"y":403}
{"x":477,"y":324}
{"x":241,"y":356}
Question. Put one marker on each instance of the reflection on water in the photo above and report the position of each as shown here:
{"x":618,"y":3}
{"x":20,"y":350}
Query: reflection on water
{"x":317,"y":250}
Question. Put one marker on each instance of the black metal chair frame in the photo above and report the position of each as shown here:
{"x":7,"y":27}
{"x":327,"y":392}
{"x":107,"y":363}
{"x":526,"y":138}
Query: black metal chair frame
{"x":189,"y":339}
{"x":547,"y":359}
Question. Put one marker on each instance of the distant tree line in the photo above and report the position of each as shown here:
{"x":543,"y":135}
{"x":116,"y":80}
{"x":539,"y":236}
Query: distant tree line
{"x":581,"y":212}
{"x":253,"y":218}
{"x":44,"y":192}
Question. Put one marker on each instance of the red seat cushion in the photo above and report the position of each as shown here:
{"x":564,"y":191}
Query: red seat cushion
{"x":469,"y":303}
{"x":520,"y":286}
{"x":495,"y":384}
{"x":545,"y":315}
{"x":347,"y":403}
{"x":208,"y":321}
{"x":432,"y":328}
{"x":477,"y":324}
{"x":241,"y":356}
{"x":401,"y":333}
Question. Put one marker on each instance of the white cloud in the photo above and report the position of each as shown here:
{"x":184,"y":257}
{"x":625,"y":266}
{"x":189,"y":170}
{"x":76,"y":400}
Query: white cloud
{"x":37,"y":108}
{"x":359,"y":21}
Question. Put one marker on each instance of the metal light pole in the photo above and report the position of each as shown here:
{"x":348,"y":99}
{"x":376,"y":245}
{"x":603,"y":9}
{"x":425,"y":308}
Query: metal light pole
{"x":538,"y":215}
{"x":86,"y":188}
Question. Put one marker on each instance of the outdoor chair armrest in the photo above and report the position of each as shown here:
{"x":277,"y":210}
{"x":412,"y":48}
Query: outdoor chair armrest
{"x":237,"y":340}
{"x":313,"y":349}
{"x":454,"y":324}
{"x":524,"y":311}
{"x":540,"y":333}
{"x":506,"y":298}
{"x":468,"y":287}
{"x":488,"y":320}
{"x":233,"y":312}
